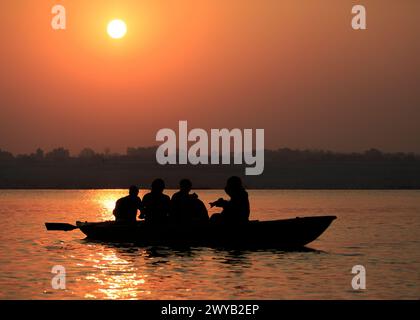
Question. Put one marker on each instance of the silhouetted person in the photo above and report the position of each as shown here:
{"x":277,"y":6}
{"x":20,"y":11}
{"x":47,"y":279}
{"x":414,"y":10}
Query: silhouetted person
{"x":156,"y":205}
{"x":235,"y":210}
{"x":186,"y":207}
{"x":126,"y":208}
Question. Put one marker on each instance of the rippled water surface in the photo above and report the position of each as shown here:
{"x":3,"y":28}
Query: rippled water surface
{"x":377,"y":229}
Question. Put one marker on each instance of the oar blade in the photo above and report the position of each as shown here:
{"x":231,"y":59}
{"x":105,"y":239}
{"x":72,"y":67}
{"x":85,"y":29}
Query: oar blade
{"x":54,"y":226}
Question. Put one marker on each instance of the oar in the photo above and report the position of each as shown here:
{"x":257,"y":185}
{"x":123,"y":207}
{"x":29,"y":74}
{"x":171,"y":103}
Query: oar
{"x":55,"y":226}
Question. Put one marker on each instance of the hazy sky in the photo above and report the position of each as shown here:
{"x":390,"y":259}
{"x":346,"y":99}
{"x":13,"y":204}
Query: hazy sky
{"x":293,"y":68}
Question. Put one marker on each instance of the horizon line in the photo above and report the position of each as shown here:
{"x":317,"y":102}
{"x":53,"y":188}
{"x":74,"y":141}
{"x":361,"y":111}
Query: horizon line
{"x":108,"y":152}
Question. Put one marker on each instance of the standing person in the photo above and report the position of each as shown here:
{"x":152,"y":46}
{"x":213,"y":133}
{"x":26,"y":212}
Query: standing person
{"x":126,"y":207}
{"x":186,"y":207}
{"x":235,"y":210}
{"x":156,"y":205}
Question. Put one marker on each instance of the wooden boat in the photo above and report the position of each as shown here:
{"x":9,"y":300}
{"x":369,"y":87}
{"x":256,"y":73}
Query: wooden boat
{"x":288,"y":233}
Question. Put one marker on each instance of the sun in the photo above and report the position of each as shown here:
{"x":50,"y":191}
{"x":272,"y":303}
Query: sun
{"x":117,"y":29}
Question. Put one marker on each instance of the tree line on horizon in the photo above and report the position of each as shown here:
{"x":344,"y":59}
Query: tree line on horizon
{"x":60,"y":154}
{"x":284,"y":168}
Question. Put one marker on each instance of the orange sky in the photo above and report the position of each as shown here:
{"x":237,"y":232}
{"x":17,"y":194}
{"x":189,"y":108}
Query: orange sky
{"x":293,"y":68}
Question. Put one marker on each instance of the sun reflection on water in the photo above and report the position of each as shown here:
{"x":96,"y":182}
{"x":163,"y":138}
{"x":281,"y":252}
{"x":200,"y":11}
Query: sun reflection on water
{"x":108,"y":204}
{"x":115,"y":274}
{"x":106,"y":200}
{"x":115,"y":277}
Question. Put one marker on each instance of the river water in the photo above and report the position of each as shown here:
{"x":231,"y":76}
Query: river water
{"x":379,"y":230}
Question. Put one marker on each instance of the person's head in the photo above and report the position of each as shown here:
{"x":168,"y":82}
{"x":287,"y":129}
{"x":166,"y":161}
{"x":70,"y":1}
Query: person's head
{"x":233,"y":185}
{"x":185,"y":185}
{"x":133,"y":191}
{"x":158,"y":185}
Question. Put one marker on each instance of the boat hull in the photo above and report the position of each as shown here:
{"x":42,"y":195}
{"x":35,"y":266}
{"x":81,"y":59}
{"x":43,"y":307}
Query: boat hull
{"x":288,"y":233}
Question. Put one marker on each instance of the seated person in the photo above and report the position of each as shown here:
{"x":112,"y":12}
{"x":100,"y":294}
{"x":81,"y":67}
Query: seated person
{"x":156,"y":205}
{"x":186,"y":207}
{"x":126,"y":208}
{"x":235,"y":210}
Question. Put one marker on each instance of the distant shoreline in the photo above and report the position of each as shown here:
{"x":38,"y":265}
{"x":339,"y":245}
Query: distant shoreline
{"x":284,"y":169}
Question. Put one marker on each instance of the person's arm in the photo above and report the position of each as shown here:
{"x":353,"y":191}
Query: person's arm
{"x":220,"y":203}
